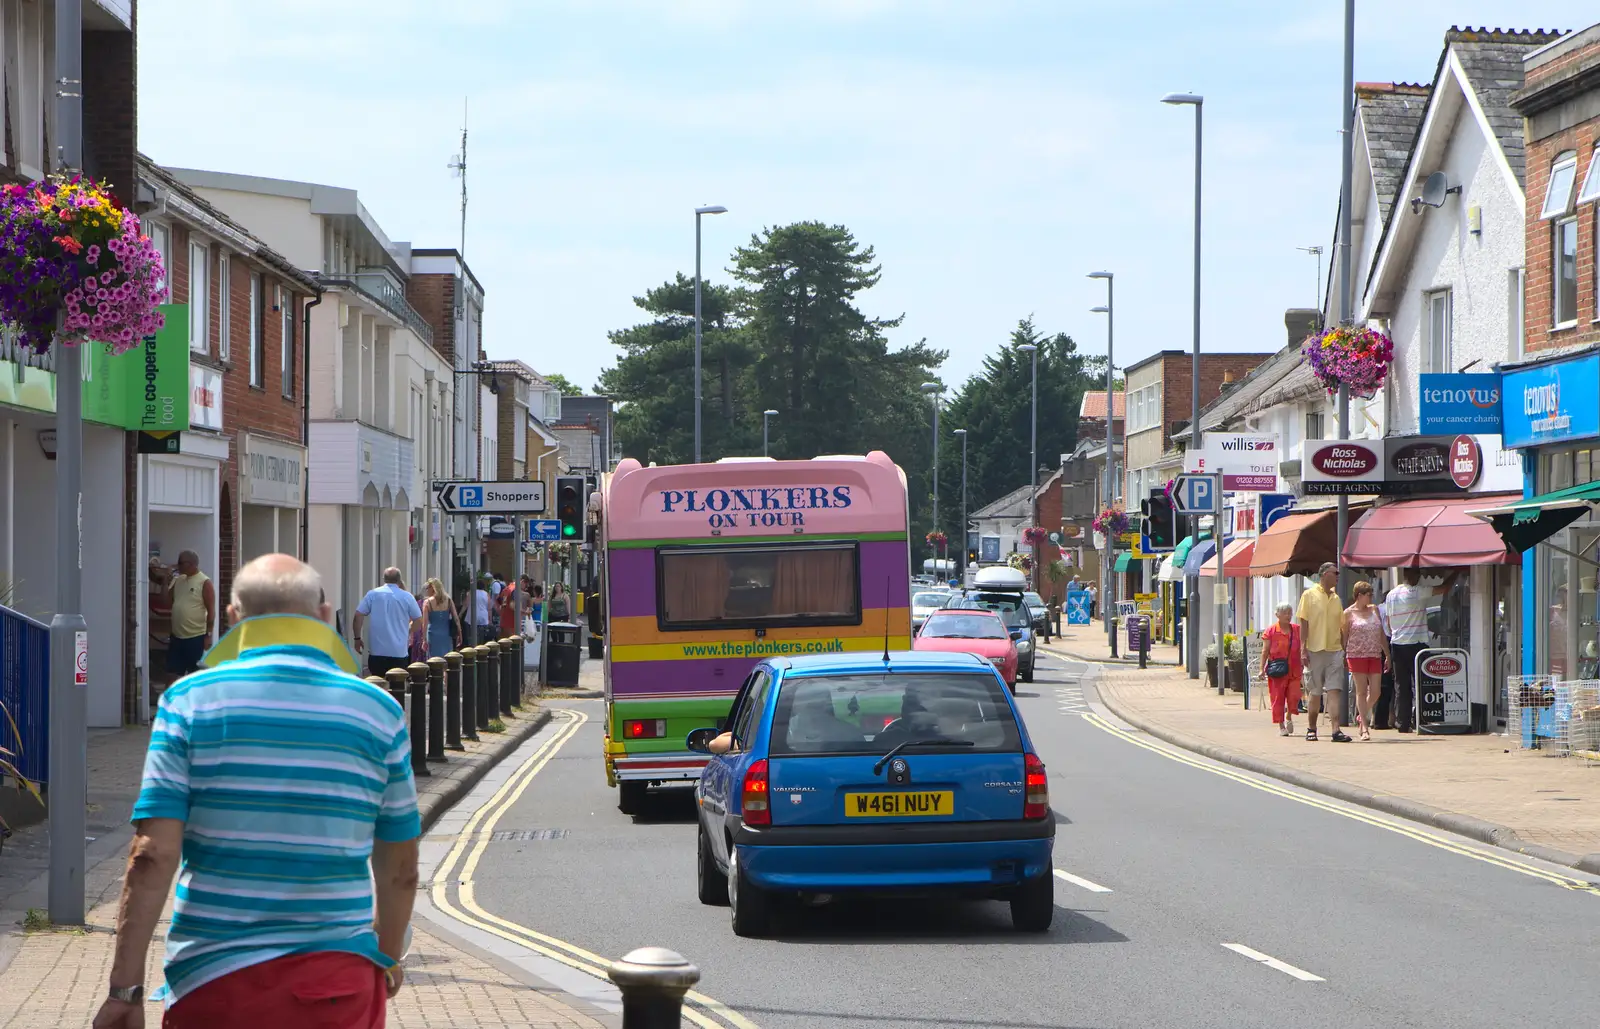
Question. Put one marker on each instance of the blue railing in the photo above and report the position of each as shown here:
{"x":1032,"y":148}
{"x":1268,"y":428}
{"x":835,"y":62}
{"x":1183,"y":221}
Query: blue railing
{"x":25,"y":690}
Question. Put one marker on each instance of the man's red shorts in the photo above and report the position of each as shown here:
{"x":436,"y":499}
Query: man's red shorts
{"x":327,"y":990}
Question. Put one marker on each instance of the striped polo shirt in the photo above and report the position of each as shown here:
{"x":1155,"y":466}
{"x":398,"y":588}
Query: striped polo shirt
{"x":284,"y":769}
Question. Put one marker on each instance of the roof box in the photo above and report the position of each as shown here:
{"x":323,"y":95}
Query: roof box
{"x":1001,"y":577}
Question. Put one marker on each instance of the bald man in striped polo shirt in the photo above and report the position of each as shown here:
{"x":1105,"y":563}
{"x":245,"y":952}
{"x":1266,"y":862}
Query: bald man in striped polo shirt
{"x":273,"y":776}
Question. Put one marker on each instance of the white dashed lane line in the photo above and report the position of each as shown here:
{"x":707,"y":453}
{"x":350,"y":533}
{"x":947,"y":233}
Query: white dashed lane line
{"x":1272,"y":962}
{"x":1092,"y":887}
{"x":1070,"y":699}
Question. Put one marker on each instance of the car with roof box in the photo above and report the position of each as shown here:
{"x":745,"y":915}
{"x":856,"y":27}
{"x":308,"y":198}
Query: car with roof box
{"x":852,"y":775}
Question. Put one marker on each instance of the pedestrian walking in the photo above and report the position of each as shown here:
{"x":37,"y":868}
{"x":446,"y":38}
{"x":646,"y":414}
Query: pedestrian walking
{"x":479,"y":601}
{"x":1366,"y":654}
{"x":1321,"y":618}
{"x":278,"y":920}
{"x":194,"y":612}
{"x":390,"y":615}
{"x":1406,"y":608}
{"x":560,"y":609}
{"x":506,"y":605}
{"x":1094,"y":594}
{"x":1283,"y":667}
{"x":536,"y":603}
{"x":444,"y":625}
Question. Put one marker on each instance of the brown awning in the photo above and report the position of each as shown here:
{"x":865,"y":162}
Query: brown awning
{"x":1297,"y":544}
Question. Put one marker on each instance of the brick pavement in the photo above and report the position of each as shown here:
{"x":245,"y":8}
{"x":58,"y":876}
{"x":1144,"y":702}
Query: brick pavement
{"x":56,"y":979}
{"x":1546,"y":800}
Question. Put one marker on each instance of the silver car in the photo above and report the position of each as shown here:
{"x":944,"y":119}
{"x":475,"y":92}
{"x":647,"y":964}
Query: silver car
{"x":923,"y":604}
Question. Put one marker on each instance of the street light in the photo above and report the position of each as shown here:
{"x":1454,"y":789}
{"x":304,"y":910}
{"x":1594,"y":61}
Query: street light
{"x":933,"y":389}
{"x":963,"y":434}
{"x":698,"y":211}
{"x":1111,"y":438}
{"x":1198,"y":103}
{"x":1033,"y":455}
{"x":765,"y":415}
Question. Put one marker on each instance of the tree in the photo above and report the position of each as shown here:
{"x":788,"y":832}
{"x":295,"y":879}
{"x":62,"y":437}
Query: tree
{"x":567,"y":387}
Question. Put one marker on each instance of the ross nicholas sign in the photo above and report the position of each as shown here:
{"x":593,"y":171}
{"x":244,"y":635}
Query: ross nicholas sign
{"x":1342,"y":466}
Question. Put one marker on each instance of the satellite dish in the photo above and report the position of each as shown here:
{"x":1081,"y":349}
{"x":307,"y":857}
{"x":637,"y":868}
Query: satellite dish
{"x":1434,"y":190}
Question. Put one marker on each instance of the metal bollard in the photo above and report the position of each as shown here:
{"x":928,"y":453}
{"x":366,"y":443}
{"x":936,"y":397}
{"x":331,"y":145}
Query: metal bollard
{"x":517,"y":667}
{"x":452,"y":701}
{"x":488,"y":683}
{"x":653,"y":981}
{"x":377,"y":680}
{"x":435,"y":708}
{"x":508,"y":685}
{"x":398,"y":680}
{"x":469,"y":693}
{"x":418,"y":674}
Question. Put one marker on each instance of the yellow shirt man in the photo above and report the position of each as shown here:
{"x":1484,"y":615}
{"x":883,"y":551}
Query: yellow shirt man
{"x":1320,"y":613}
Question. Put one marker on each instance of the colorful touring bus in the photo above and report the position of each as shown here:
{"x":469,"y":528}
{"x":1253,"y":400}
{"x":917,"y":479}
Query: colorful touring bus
{"x":709,"y":568}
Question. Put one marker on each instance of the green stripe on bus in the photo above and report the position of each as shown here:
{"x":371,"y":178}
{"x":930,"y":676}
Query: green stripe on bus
{"x":864,"y":537}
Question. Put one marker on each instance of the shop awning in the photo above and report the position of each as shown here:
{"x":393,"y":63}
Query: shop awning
{"x":1180,"y":553}
{"x":1171,"y":570}
{"x":1235,"y":559}
{"x":1199,"y":554}
{"x":1425,"y":534}
{"x":1296,"y":544}
{"x":1123,"y":563}
{"x":1525,"y":523}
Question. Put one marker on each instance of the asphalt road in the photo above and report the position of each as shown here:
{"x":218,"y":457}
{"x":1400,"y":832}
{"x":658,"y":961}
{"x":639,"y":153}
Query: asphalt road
{"x":1365,"y":926}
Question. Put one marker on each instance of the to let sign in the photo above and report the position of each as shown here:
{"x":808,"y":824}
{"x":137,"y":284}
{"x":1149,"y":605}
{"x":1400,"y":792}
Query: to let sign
{"x":1248,"y":463}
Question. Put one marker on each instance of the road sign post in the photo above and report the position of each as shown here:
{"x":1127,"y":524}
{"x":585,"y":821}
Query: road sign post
{"x":1219,"y":592}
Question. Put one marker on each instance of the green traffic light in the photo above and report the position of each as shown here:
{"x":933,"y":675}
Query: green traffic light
{"x":569,"y":530}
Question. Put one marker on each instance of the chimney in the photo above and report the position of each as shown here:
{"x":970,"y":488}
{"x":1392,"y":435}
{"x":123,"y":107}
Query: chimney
{"x":1301,"y":322}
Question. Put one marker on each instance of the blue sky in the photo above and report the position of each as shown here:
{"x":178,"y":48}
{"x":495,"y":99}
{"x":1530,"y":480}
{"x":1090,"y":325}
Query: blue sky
{"x":993,"y":152}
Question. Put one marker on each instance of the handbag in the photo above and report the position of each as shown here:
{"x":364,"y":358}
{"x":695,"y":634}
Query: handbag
{"x":1278,"y":667}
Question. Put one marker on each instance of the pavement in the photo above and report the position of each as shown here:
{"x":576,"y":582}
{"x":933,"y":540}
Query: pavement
{"x":57,"y":977}
{"x":1482,"y":786}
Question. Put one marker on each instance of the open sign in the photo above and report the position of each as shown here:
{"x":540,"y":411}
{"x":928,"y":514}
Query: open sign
{"x":1442,"y":702}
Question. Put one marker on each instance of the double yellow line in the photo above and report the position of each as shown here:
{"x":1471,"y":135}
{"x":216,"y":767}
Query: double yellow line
{"x":469,"y":849}
{"x":1487,"y":856}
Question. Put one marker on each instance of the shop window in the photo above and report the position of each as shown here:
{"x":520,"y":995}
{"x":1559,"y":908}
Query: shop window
{"x":1557,"y":471}
{"x":1437,"y":356}
{"x":1565,"y":277}
{"x":1315,"y":425}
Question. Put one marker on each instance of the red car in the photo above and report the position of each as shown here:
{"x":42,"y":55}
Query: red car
{"x":972,"y":631}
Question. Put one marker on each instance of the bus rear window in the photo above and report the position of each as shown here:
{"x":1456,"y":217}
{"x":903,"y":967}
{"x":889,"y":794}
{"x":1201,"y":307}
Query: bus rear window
{"x":757,"y":586}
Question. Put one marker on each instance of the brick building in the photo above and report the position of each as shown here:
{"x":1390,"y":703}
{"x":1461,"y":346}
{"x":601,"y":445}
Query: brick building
{"x":1560,"y":105}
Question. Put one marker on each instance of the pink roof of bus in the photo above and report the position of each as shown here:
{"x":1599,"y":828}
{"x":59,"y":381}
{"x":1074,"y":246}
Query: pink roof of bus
{"x":824,"y":496}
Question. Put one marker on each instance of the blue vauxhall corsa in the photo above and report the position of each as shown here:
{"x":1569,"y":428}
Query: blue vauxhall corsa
{"x":865,"y":774}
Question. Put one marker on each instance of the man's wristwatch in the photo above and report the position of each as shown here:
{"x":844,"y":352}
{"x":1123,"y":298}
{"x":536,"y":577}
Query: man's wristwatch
{"x":127,"y":994}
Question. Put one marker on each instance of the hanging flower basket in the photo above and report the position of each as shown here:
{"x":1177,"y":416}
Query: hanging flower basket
{"x":75,"y":266}
{"x":560,"y":552}
{"x":936,"y":538}
{"x":1034,"y":536}
{"x":1021,"y":562}
{"x":1357,"y":358}
{"x":1113,"y":521}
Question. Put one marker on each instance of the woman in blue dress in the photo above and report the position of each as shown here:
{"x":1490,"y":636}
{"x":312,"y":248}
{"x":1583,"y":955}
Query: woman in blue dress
{"x":444,"y":627}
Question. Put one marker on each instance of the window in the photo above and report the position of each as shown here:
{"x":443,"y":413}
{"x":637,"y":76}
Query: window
{"x":755,"y":705}
{"x":257,"y":351}
{"x":1558,"y":194}
{"x":871,"y":714}
{"x":199,"y":297}
{"x":1565,"y":272}
{"x":161,"y":236}
{"x":1591,"y":181}
{"x":1314,"y":425}
{"x":758,"y":586}
{"x":1144,"y":408}
{"x":1516,"y":313}
{"x":1436,"y":353}
{"x":224,"y":308}
{"x":286,"y":344}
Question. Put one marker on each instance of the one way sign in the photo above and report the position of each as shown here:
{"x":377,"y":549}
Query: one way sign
{"x":492,"y":497}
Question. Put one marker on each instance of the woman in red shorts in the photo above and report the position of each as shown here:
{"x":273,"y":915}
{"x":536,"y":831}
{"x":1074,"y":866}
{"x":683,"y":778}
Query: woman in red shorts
{"x":1366,"y":654}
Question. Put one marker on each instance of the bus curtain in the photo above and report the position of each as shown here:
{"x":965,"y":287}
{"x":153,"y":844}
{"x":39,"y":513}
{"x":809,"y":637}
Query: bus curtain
{"x":696,"y":587}
{"x":817,"y":582}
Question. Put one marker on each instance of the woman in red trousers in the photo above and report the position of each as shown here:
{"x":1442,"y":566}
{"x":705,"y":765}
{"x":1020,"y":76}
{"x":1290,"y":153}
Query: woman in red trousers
{"x":1282,"y":648}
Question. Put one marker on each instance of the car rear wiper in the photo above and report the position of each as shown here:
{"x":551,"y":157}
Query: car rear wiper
{"x":935,"y":742}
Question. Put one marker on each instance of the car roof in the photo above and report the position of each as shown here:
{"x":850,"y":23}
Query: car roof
{"x":991,"y":612}
{"x":868,"y":662}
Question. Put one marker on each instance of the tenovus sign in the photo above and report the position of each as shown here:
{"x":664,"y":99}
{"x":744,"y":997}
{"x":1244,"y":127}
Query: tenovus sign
{"x":753,"y":507}
{"x":1550,"y":403}
{"x":1456,"y":403}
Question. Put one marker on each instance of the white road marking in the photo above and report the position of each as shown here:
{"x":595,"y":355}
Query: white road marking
{"x":1272,"y":962}
{"x":1086,"y":884}
{"x":1070,"y":699}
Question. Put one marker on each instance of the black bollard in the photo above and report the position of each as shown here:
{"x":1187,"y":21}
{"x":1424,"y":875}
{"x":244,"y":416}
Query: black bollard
{"x":488,"y":683}
{"x":508,"y":682}
{"x":518,"y":668}
{"x":435,"y":708}
{"x":653,"y":981}
{"x":399,"y":680}
{"x":418,"y":675}
{"x":452,"y":701}
{"x":469,"y":693}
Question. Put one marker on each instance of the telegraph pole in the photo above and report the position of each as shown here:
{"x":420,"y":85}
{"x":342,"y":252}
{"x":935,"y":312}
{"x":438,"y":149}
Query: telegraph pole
{"x":1346,"y":296}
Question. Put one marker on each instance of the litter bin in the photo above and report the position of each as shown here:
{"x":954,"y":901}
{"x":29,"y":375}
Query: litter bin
{"x":561,"y":653}
{"x":597,"y":646}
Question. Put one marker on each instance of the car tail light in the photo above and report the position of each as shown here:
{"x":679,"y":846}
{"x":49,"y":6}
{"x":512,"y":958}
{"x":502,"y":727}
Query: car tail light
{"x":644,"y":729}
{"x":754,"y":800}
{"x":1036,"y":803}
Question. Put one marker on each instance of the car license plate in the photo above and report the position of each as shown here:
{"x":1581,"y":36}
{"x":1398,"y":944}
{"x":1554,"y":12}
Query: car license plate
{"x":900,"y":804}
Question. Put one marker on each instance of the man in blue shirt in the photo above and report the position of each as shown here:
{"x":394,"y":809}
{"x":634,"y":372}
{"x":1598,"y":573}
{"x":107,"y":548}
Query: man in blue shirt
{"x":390,"y":615}
{"x":276,"y":775}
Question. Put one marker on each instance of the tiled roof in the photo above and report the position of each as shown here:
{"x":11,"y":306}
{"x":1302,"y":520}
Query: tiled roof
{"x":1245,"y":396}
{"x":1391,"y":115}
{"x":1012,"y":505}
{"x":1492,"y":60}
{"x":1094,"y":404}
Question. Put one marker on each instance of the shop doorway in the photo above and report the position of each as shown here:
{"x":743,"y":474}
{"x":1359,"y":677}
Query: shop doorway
{"x":1507,"y":657}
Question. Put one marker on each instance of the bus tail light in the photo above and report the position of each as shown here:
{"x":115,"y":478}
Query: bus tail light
{"x":644,"y":728}
{"x":754,"y":795}
{"x":1036,"y":803}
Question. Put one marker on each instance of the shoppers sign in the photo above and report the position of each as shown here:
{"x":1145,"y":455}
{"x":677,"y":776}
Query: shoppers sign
{"x":1459,"y":403}
{"x":273,"y":472}
{"x":1248,"y":463}
{"x":1441,"y":678}
{"x":1342,"y":466}
{"x":1549,"y":403}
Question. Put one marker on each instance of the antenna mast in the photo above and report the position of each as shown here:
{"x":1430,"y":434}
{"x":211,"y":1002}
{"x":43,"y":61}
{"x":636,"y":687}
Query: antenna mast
{"x":459,"y":167}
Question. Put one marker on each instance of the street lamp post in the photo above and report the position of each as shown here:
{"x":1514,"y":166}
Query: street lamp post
{"x":1033,"y":457}
{"x":963,"y":434}
{"x":698,"y":211}
{"x":765,"y":417}
{"x":1106,"y":579}
{"x":1198,"y":103}
{"x":933,"y":389}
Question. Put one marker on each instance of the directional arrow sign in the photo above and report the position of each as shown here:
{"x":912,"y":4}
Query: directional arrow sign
{"x":492,"y":497}
{"x":544,"y":530}
{"x":1196,"y":494}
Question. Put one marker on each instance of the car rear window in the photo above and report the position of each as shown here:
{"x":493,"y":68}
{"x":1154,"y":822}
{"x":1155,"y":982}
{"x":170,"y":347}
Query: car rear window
{"x":869,"y":714}
{"x":971,"y":625}
{"x":929,"y":599}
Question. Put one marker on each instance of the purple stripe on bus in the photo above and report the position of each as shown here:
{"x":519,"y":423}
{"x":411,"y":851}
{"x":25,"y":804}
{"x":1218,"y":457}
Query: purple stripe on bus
{"x":689,"y":676}
{"x":885,"y":578}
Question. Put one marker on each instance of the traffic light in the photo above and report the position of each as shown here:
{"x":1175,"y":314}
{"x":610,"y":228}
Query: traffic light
{"x":972,"y":555}
{"x":570,"y":508}
{"x":1160,"y":521}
